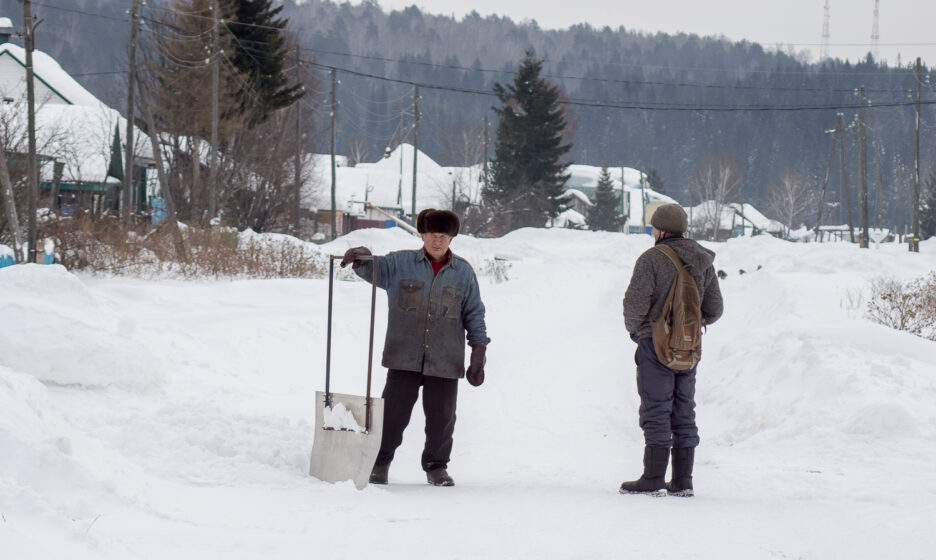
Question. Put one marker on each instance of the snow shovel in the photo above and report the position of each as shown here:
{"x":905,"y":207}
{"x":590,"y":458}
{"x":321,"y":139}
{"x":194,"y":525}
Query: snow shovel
{"x":347,"y":427}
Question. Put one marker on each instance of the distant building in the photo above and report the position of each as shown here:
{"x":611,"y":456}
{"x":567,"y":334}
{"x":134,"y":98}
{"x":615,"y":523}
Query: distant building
{"x":78,"y":136}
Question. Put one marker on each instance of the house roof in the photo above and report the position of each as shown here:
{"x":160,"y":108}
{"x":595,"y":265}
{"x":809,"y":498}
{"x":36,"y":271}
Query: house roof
{"x":48,"y":71}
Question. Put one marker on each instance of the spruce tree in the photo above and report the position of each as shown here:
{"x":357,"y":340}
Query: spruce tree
{"x":528,"y":171}
{"x":261,"y":54}
{"x":605,"y":215}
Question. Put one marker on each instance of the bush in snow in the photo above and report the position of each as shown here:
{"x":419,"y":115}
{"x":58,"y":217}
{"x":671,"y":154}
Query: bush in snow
{"x":102,"y":244}
{"x":909,"y":306}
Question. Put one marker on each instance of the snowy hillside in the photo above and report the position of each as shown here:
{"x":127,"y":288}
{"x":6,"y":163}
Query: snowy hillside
{"x":167,"y":419}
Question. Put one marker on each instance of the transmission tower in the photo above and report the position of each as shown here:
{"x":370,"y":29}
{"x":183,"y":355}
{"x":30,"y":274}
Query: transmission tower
{"x":875,"y":34}
{"x":824,"y":51}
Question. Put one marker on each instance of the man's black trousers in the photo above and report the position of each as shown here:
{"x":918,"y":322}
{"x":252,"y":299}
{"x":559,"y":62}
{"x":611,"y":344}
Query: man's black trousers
{"x":667,"y":401}
{"x":439,"y":396}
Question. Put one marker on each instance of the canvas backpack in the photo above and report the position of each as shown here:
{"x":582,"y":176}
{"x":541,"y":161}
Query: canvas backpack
{"x":677,"y":332}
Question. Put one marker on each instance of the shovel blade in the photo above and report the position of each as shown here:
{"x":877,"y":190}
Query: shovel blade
{"x":339,"y":455}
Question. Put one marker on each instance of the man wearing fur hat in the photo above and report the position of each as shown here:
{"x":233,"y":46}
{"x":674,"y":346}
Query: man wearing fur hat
{"x":433,"y":301}
{"x":667,"y":396}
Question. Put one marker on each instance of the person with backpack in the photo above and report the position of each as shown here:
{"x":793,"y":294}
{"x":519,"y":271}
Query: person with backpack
{"x":673,"y":294}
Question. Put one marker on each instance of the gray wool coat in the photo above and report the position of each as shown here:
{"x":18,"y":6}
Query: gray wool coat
{"x":653,"y":276}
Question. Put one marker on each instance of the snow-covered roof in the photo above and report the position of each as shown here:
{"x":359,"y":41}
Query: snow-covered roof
{"x":575,"y":193}
{"x":59,"y":86}
{"x":405,"y":152}
{"x":72,"y":125}
{"x":388,"y":184}
{"x":586,"y":176}
{"x":731,"y":214}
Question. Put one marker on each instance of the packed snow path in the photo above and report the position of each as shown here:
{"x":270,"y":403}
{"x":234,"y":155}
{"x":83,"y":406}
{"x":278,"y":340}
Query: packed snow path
{"x":168,"y":419}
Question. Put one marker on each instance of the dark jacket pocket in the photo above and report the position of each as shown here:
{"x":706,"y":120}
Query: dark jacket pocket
{"x":411,"y":292}
{"x":451,"y":303}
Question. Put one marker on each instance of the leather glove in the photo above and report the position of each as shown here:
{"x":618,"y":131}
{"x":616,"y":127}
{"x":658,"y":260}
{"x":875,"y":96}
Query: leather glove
{"x":475,"y":373}
{"x":353,"y":254}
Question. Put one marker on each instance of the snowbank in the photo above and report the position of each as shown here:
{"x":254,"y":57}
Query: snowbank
{"x":55,"y":329}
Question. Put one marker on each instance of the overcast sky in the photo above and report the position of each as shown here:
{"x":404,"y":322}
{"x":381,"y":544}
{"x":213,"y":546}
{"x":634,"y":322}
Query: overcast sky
{"x":905,"y":26}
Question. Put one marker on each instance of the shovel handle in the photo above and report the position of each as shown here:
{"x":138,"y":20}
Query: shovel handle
{"x":370,"y":348}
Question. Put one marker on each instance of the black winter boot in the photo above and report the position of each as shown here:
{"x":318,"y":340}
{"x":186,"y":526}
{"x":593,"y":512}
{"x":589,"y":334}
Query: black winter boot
{"x":439,"y":477}
{"x":681,"y":483}
{"x":380,"y":474}
{"x":653,"y":479}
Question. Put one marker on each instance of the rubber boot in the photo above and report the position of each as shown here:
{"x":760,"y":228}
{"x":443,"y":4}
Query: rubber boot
{"x":681,"y":483}
{"x":380,"y":474}
{"x":653,"y":479}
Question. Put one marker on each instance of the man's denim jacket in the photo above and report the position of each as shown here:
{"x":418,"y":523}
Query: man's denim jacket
{"x":428,"y":315}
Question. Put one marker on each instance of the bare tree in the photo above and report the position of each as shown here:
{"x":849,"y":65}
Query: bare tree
{"x":714,"y":184}
{"x":357,"y":150}
{"x":791,"y":199}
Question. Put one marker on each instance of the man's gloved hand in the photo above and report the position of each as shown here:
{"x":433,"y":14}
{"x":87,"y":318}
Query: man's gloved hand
{"x":353,"y":254}
{"x":475,"y":373}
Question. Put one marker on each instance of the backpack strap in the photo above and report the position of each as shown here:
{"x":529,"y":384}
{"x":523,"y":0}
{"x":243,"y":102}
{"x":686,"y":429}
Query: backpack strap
{"x":669,"y":252}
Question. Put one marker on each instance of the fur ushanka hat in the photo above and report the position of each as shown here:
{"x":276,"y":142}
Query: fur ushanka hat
{"x":431,"y":220}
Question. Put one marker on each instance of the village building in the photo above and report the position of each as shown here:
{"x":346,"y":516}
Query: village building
{"x":78,"y":137}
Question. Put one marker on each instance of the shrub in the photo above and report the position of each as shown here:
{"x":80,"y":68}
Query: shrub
{"x":100,"y":244}
{"x":909,"y":306}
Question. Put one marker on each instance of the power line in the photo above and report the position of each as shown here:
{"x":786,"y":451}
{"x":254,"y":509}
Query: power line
{"x":629,"y":105}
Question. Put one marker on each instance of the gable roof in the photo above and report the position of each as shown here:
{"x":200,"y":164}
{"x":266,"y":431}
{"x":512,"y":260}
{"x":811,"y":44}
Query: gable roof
{"x":48,"y":71}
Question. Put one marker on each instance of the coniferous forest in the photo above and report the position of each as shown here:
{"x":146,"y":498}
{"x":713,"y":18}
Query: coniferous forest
{"x":649,"y":101}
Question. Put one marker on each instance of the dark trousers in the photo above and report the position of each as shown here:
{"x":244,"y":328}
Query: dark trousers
{"x":439,"y":396}
{"x":667,"y":401}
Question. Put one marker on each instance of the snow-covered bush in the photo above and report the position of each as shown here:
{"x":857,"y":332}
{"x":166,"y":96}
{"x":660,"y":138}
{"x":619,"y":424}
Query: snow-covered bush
{"x":905,"y":306}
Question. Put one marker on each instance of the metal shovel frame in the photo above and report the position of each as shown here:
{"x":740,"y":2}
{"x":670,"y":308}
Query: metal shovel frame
{"x":339,"y":455}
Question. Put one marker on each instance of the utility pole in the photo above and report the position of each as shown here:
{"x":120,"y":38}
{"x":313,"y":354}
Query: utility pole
{"x":215,"y":60}
{"x":32,"y":169}
{"x":171,"y":217}
{"x":127,"y":188}
{"x":880,"y":192}
{"x":840,"y":128}
{"x":825,"y":183}
{"x":915,"y":210}
{"x":415,"y":144}
{"x":863,"y":172}
{"x":643,"y":198}
{"x":334,"y":114}
{"x":297,"y":216}
{"x":484,"y":170}
{"x":900,"y":203}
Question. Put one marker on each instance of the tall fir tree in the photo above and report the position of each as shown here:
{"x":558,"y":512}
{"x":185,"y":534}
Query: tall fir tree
{"x":605,"y":215}
{"x":261,"y":54}
{"x":528,"y":171}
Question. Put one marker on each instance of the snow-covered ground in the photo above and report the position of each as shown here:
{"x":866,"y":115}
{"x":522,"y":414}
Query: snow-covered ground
{"x":168,"y":419}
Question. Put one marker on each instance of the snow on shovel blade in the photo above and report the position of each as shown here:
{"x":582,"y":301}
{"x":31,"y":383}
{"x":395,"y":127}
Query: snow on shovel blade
{"x":343,"y":449}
